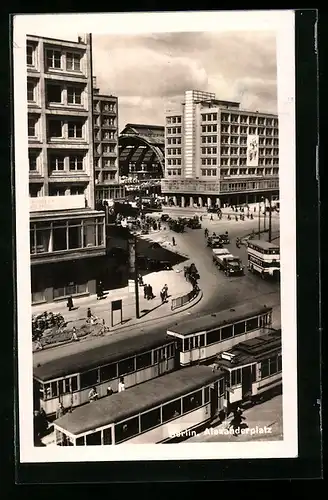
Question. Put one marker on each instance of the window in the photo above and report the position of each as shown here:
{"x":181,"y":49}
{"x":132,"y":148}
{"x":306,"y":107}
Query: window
{"x":33,"y":161}
{"x":54,"y":93}
{"x":30,"y":91}
{"x":74,"y":95}
{"x":57,"y":191}
{"x":54,"y":389}
{"x":239,"y":328}
{"x":107,"y":436}
{"x":53,"y":58}
{"x":76,"y":162}
{"x":150,"y":419}
{"x":56,"y":163}
{"x":89,"y":378}
{"x":74,"y":237}
{"x":74,"y":385}
{"x":192,"y":401}
{"x":226,"y":332}
{"x":73,"y":61}
{"x":74,"y":130}
{"x":213,"y":337}
{"x":30,"y":55}
{"x":252,"y":324}
{"x":186,"y":345}
{"x":55,"y":128}
{"x":127,"y":429}
{"x":221,"y":387}
{"x":63,"y":386}
{"x":126,"y":366}
{"x":80,"y":441}
{"x":171,"y":410}
{"x":273,"y":365}
{"x":32,"y":121}
{"x":265,"y":371}
{"x":108,"y":372}
{"x":93,"y":439}
{"x":76,"y":190}
{"x":143,"y":360}
{"x":236,"y":377}
{"x":206,"y":395}
{"x":279,"y":361}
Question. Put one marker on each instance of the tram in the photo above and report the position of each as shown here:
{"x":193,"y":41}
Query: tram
{"x":202,"y":338}
{"x":68,"y":379}
{"x":253,"y":369}
{"x":158,"y":411}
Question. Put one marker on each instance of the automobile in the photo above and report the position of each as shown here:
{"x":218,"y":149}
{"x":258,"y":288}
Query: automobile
{"x":194,"y":224}
{"x":214,"y":242}
{"x":165,"y":217}
{"x":224,"y":238}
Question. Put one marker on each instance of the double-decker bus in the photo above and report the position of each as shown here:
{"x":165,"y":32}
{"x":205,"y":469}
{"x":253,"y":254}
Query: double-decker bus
{"x":263,"y":258}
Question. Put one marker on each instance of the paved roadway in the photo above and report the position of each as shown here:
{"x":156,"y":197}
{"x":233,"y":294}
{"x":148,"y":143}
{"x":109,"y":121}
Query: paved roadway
{"x":219,"y":291}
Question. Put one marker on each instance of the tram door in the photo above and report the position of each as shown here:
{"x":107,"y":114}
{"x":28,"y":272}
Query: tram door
{"x":161,"y":359}
{"x":246,"y":381}
{"x":214,"y":399}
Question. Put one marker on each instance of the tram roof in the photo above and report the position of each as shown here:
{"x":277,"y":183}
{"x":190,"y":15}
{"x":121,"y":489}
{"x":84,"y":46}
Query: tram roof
{"x":266,"y":245}
{"x":137,"y":399}
{"x":220,"y":318}
{"x":99,"y":355}
{"x":252,"y":350}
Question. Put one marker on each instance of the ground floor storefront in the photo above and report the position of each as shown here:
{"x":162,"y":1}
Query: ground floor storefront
{"x":188,"y":200}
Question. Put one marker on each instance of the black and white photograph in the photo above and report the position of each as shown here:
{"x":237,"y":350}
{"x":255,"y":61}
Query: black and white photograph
{"x":156,"y":256}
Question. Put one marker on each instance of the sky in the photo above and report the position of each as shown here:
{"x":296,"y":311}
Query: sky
{"x":149,"y":74}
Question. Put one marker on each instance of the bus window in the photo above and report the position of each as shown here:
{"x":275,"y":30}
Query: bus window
{"x":206,"y":394}
{"x":127,"y":429}
{"x":213,"y":337}
{"x":54,"y":390}
{"x":88,"y":379}
{"x":171,"y":410}
{"x":80,"y":441}
{"x":126,"y":366}
{"x":150,"y":419}
{"x":252,"y":324}
{"x":143,"y":360}
{"x":239,"y":328}
{"x":74,"y":385}
{"x":192,"y":401}
{"x":107,"y":436}
{"x":226,"y":332}
{"x":186,"y":345}
{"x":93,"y":439}
{"x":108,"y":372}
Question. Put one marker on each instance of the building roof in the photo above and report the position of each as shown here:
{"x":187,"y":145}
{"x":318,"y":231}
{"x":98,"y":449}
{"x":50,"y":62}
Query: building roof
{"x":218,"y":319}
{"x":252,"y":350}
{"x":100,"y":355}
{"x":263,"y":244}
{"x":137,"y":399}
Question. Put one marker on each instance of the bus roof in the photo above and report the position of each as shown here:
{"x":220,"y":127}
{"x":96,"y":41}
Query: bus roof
{"x":220,"y":318}
{"x":265,"y":245}
{"x":100,"y":355}
{"x":252,"y":350}
{"x":137,"y":399}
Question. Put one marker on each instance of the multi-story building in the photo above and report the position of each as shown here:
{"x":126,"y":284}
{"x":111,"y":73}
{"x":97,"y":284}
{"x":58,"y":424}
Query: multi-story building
{"x":217,"y":153}
{"x":105,"y":124}
{"x":67,"y":234}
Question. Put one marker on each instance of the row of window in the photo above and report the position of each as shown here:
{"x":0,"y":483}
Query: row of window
{"x":54,"y":58}
{"x":268,"y":251}
{"x":174,"y":140}
{"x":153,"y":418}
{"x":105,"y":135}
{"x":104,"y":107}
{"x":209,"y":172}
{"x":110,"y":192}
{"x":57,"y":162}
{"x":224,"y":333}
{"x":65,"y":235}
{"x":262,"y":263}
{"x":57,"y":128}
{"x":56,"y":94}
{"x":233,"y":150}
{"x":60,"y":292}
{"x":106,"y":373}
{"x":209,"y":161}
{"x":104,"y":121}
{"x":270,"y":366}
{"x":209,"y":129}
{"x":36,"y":190}
{"x":252,"y":120}
{"x":106,"y":148}
{"x":171,"y":171}
{"x":173,"y":161}
{"x":242,"y":141}
{"x":250,"y":186}
{"x":173,"y":130}
{"x":243,"y":130}
{"x":173,"y":119}
{"x":225,"y":172}
{"x":105,"y":162}
{"x":173,"y":151}
{"x":243,"y":161}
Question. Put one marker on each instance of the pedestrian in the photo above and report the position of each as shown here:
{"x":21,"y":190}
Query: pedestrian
{"x":100,"y":291}
{"x":150,"y":292}
{"x":211,"y":218}
{"x":60,"y":410}
{"x":166,"y":291}
{"x":140,"y":280}
{"x":109,"y":391}
{"x":74,"y":334}
{"x":93,"y":395}
{"x":70,"y":303}
{"x":162,"y":295}
{"x":173,"y":241}
{"x":145,"y":290}
{"x":89,"y":314}
{"x":121,"y":385}
{"x":159,"y":226}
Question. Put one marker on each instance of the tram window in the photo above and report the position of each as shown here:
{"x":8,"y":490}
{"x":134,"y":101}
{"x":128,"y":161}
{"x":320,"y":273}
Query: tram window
{"x":236,"y":377}
{"x":273,"y":366}
{"x":80,"y":441}
{"x":279,"y":363}
{"x":73,"y":384}
{"x":107,"y":436}
{"x":108,"y":372}
{"x":252,"y":324}
{"x":239,"y":328}
{"x":179,"y":345}
{"x":143,"y":360}
{"x":192,"y":401}
{"x":126,"y":366}
{"x":89,"y":378}
{"x":253,"y":373}
{"x":265,"y":368}
{"x":213,"y":337}
{"x":93,"y":439}
{"x":206,"y":394}
{"x":127,"y":429}
{"x":156,"y":356}
{"x":226,"y":332}
{"x":63,"y":386}
{"x":202,"y":340}
{"x":54,"y":390}
{"x":171,"y":410}
{"x":221,"y":387}
{"x":186,"y":345}
{"x":170,"y":351}
{"x":150,"y":419}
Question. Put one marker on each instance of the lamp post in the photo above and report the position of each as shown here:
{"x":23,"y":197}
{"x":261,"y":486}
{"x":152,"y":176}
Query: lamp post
{"x":270,"y":218}
{"x":133,"y":269}
{"x":261,"y":198}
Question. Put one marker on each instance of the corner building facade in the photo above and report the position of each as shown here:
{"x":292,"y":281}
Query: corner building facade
{"x":217,"y":153}
{"x":67,"y":234}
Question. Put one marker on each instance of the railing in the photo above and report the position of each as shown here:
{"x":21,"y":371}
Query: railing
{"x":182,"y":301}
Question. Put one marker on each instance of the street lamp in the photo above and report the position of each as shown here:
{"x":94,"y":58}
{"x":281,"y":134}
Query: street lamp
{"x":261,"y":198}
{"x":133,"y":269}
